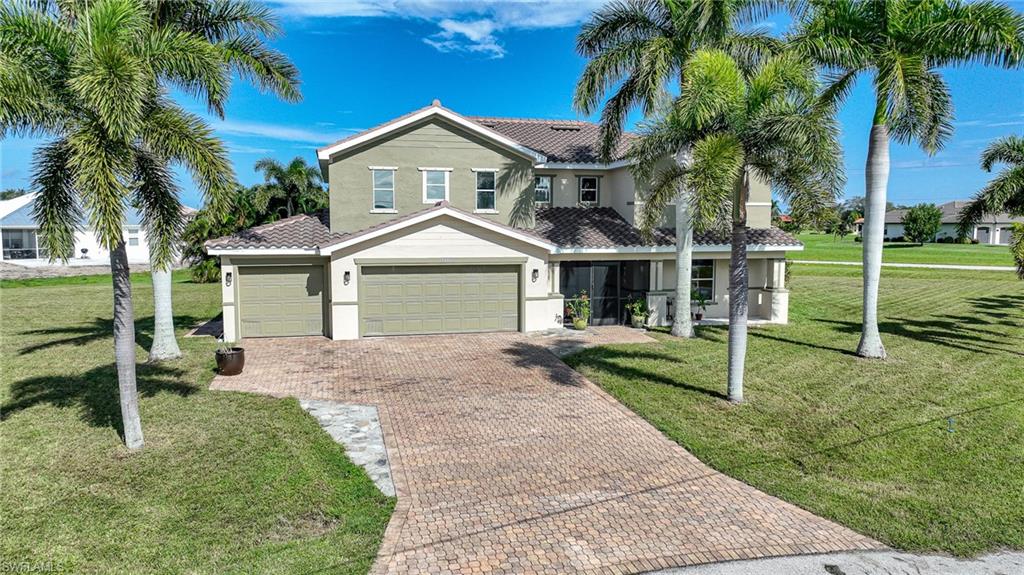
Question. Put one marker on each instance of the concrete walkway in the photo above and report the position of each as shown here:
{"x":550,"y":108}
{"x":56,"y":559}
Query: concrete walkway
{"x":864,"y":563}
{"x":923,"y":266}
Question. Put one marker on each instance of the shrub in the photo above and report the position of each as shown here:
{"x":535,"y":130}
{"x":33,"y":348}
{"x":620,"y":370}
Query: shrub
{"x":858,"y":238}
{"x":205,"y":272}
{"x":921,"y":223}
{"x":579,"y":306}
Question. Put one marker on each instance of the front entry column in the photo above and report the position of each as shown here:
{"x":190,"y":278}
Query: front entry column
{"x":775,"y":288}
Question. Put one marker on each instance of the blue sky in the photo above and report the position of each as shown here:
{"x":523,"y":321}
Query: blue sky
{"x":364,"y":62}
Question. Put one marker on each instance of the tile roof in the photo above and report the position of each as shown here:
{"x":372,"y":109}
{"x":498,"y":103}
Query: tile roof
{"x":605,"y":228}
{"x":951,"y":214}
{"x":569,"y":141}
{"x":563,"y":227}
{"x":303,"y":231}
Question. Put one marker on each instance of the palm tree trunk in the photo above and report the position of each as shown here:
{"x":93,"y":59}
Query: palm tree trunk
{"x":876,"y":183}
{"x":682,"y":326}
{"x":164,"y":346}
{"x":124,"y":347}
{"x":738,"y":291}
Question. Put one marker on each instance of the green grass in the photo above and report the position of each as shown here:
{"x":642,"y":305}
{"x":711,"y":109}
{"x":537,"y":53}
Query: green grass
{"x":867,"y":443}
{"x":227,"y":482}
{"x":825,"y":247}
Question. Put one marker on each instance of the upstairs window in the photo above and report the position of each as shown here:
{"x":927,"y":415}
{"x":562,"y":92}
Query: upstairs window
{"x":542,"y":189}
{"x":589,"y":192}
{"x":435,"y":184}
{"x":133,"y":236}
{"x":383,"y":189}
{"x":485,"y":189}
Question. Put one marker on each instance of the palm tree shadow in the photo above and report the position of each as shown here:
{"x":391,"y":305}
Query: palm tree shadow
{"x":943,"y":332}
{"x":610,"y":360}
{"x":94,"y":392}
{"x":767,"y":335}
{"x":97,"y":329}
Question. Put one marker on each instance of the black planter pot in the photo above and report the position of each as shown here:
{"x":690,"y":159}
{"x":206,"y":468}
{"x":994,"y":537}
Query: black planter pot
{"x":230,"y":361}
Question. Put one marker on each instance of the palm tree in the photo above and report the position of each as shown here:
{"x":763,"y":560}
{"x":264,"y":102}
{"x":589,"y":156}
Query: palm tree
{"x":641,"y":46}
{"x":765,"y":122}
{"x":1005,"y":193}
{"x":298,"y":186}
{"x":94,"y":77}
{"x":902,"y":44}
{"x":235,"y":29}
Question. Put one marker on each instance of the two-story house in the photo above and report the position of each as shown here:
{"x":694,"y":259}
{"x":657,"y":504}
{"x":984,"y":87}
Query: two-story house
{"x":443,"y":223}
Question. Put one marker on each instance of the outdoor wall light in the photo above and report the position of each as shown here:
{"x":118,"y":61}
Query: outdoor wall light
{"x":348,"y":277}
{"x":227,"y":279}
{"x":535,"y":275}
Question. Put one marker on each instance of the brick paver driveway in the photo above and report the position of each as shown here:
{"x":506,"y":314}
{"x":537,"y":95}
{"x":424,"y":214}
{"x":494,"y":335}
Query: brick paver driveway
{"x":506,"y":460}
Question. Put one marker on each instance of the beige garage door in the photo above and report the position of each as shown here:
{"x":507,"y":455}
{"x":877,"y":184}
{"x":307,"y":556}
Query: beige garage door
{"x":279,"y":301}
{"x":405,"y":300}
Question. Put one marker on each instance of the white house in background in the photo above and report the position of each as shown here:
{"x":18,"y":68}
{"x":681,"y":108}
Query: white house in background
{"x":20,"y":243}
{"x":993,"y":229}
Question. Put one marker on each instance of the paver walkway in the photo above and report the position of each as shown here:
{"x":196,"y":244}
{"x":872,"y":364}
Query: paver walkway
{"x":506,"y":460}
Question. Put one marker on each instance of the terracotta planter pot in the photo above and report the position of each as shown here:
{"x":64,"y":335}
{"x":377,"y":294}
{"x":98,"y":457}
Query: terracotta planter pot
{"x":579,"y":323}
{"x":638,"y":321}
{"x":231,"y":361}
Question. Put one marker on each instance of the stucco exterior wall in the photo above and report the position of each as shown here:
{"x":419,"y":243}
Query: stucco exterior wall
{"x":443,"y":240}
{"x":437,"y":144}
{"x":767,"y":272}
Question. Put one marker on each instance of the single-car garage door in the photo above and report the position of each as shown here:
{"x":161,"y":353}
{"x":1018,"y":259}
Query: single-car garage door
{"x":279,"y":301}
{"x":405,"y":300}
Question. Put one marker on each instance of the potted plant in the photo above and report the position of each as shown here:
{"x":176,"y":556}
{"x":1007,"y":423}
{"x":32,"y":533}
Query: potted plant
{"x":579,"y":310}
{"x":230,"y":360}
{"x":638,"y":312}
{"x":702,"y":304}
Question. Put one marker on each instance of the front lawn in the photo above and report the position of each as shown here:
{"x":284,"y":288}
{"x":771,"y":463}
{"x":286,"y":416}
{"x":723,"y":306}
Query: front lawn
{"x":826,"y":247}
{"x":227,"y":482}
{"x":924,"y":451}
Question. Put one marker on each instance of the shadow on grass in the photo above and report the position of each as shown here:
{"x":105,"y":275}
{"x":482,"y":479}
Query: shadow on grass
{"x":764,"y":335}
{"x":94,"y":392}
{"x":943,"y":332}
{"x":609,"y":360}
{"x":98,"y":329}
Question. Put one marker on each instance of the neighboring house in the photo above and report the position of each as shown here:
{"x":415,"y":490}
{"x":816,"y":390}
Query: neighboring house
{"x":20,"y":243}
{"x":442,"y":223}
{"x":993,"y":229}
{"x":858,"y":226}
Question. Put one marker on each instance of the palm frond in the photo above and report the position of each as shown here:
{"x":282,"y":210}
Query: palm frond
{"x":1017,"y":248}
{"x":101,"y":168}
{"x":666,"y":185}
{"x":717,"y":163}
{"x":621,"y":22}
{"x":267,"y":69}
{"x":1006,"y":150}
{"x":713,"y":89}
{"x":1004,"y":193}
{"x":56,"y":209}
{"x":156,"y":197}
{"x":983,"y":32}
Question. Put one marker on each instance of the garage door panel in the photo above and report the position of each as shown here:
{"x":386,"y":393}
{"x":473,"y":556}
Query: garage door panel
{"x":280,"y":300}
{"x":438,"y":299}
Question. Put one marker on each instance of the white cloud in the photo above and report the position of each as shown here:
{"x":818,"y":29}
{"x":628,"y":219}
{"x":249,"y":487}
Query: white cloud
{"x":463,"y":26}
{"x":277,"y":131}
{"x":927,"y":164}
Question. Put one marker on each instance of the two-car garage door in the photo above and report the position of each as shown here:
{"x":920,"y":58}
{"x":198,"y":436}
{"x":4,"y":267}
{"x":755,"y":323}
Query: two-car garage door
{"x":404,"y":300}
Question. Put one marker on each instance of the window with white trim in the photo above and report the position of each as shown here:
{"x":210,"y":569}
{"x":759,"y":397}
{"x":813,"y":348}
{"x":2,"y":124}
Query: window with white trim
{"x":133,"y":235}
{"x":435,"y":186}
{"x":383,"y":189}
{"x":542,"y":189}
{"x":486,"y":186}
{"x":702,"y":278}
{"x":589,"y":189}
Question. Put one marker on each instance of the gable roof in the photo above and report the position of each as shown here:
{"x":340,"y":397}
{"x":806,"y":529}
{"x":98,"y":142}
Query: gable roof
{"x":951,"y":214}
{"x":562,"y":141}
{"x":435,"y":110}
